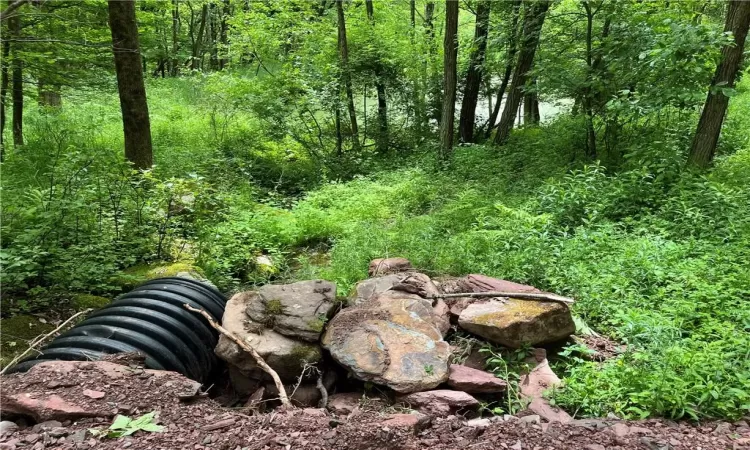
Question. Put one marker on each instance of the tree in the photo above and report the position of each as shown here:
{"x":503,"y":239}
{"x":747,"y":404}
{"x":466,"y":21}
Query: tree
{"x":4,"y":80}
{"x":17,"y":82}
{"x":534,"y":14}
{"x":509,"y":64}
{"x":345,"y":73}
{"x":135,"y":118}
{"x":381,"y":141}
{"x":706,"y":137}
{"x":450,"y":55}
{"x":474,"y":73}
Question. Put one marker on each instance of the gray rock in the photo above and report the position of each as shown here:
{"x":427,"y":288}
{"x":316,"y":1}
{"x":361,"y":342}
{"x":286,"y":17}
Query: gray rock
{"x":515,"y":322}
{"x":298,"y":310}
{"x":6,"y":426}
{"x":391,"y":339}
{"x":413,"y":282}
{"x":478,"y":423}
{"x":284,"y":354}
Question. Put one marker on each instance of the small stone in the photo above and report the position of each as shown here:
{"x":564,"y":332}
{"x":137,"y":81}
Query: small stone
{"x":594,"y":447}
{"x":78,"y":436}
{"x":6,"y":426}
{"x":674,"y":442}
{"x":31,"y":438}
{"x":47,"y":425}
{"x":641,"y":430}
{"x":517,"y":446}
{"x":385,"y":266}
{"x":441,"y":401}
{"x":58,"y":432}
{"x":314,"y":412}
{"x":38,"y":446}
{"x":479,"y":423}
{"x":474,"y":381}
{"x":7,"y":446}
{"x":345,"y":403}
{"x":93,"y":394}
{"x":620,"y":430}
{"x":417,"y":422}
{"x":534,"y":418}
{"x":207,"y":440}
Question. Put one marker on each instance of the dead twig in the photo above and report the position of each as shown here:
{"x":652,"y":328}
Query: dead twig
{"x":519,"y":295}
{"x":322,"y":389}
{"x":245,"y":346}
{"x":40,"y":339}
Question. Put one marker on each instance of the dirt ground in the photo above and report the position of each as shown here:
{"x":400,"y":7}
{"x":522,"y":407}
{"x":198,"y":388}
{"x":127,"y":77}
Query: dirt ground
{"x":61,"y":394}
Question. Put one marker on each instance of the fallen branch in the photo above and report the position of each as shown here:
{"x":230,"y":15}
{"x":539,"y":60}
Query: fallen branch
{"x":519,"y":295}
{"x":41,"y":339}
{"x":245,"y":346}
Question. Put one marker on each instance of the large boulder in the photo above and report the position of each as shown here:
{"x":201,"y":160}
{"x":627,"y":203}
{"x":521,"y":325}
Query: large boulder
{"x":391,"y":339}
{"x":514,"y":323}
{"x":440,"y":402}
{"x":286,"y":355}
{"x":413,"y":282}
{"x":298,"y":310}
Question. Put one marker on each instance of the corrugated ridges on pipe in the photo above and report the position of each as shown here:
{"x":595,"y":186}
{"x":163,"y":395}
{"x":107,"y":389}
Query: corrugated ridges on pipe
{"x":150,"y":320}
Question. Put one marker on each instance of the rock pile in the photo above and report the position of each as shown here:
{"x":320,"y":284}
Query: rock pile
{"x":391,"y":333}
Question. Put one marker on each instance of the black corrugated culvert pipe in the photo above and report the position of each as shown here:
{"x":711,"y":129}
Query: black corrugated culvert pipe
{"x":150,"y":320}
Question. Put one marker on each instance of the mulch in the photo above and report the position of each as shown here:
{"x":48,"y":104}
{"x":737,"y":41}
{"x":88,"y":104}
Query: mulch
{"x":197,"y":422}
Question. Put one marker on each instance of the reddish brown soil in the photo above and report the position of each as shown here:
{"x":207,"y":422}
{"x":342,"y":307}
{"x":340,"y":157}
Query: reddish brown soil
{"x":201,"y":423}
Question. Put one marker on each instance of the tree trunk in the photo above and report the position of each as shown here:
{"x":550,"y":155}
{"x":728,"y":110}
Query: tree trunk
{"x":474,"y":73}
{"x":345,"y":74}
{"x":431,"y":81}
{"x":226,"y":11}
{"x":213,"y":36}
{"x":510,"y":63}
{"x":533,"y":20}
{"x":381,"y":141}
{"x":531,"y":108}
{"x":195,"y":62}
{"x":17,"y":75}
{"x":135,"y":118}
{"x":4,"y":81}
{"x":706,"y":137}
{"x":174,"y":68}
{"x":337,"y":123}
{"x":48,"y":95}
{"x":587,"y":100}
{"x":450,"y":52}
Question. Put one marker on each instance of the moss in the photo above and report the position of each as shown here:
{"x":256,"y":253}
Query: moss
{"x":317,"y":324}
{"x":16,"y":333}
{"x":305,"y":352}
{"x":513,"y":310}
{"x":86,"y":301}
{"x":132,"y":276}
{"x":274,"y":307}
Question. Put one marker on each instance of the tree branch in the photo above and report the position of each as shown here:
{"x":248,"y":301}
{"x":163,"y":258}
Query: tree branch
{"x":12,"y":6}
{"x":245,"y":346}
{"x":519,"y":295}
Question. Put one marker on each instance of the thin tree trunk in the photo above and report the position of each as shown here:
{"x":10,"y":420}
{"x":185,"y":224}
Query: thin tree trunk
{"x":381,"y":141}
{"x":135,"y":118}
{"x":48,"y":95}
{"x":531,"y":107}
{"x":706,"y":137}
{"x":4,"y":81}
{"x":510,"y":63}
{"x":587,"y":100}
{"x":533,"y":20}
{"x":226,"y":11}
{"x":337,"y":123}
{"x":474,"y":73}
{"x":17,"y":80}
{"x":174,"y":68}
{"x":213,"y":36}
{"x":431,"y":80}
{"x":198,"y":42}
{"x":345,"y":73}
{"x":450,"y":52}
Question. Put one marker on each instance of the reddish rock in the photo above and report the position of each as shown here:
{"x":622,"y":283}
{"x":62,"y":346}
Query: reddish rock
{"x":417,"y":422}
{"x":442,"y":316}
{"x":481,"y":283}
{"x":536,"y":382}
{"x":48,"y":407}
{"x":385,"y":266}
{"x":474,"y":381}
{"x":93,"y":394}
{"x":344,"y":403}
{"x":441,"y":401}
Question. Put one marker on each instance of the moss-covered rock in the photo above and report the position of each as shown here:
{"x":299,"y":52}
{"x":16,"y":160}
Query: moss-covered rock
{"x":88,"y":301}
{"x":16,"y":333}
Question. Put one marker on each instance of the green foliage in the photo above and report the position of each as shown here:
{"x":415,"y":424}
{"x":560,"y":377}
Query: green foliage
{"x":509,"y":366}
{"x":125,"y":426}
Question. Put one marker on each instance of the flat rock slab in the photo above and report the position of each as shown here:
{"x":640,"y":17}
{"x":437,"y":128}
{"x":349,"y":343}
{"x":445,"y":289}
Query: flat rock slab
{"x":441,"y":402}
{"x":390,"y":339}
{"x":384,"y":266}
{"x":473,"y":381}
{"x":514,"y":323}
{"x":534,"y":384}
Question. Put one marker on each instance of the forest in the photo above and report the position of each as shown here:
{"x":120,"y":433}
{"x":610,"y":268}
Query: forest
{"x":599,"y":149}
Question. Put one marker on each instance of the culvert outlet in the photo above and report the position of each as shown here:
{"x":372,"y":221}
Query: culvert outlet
{"x":150,"y":320}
